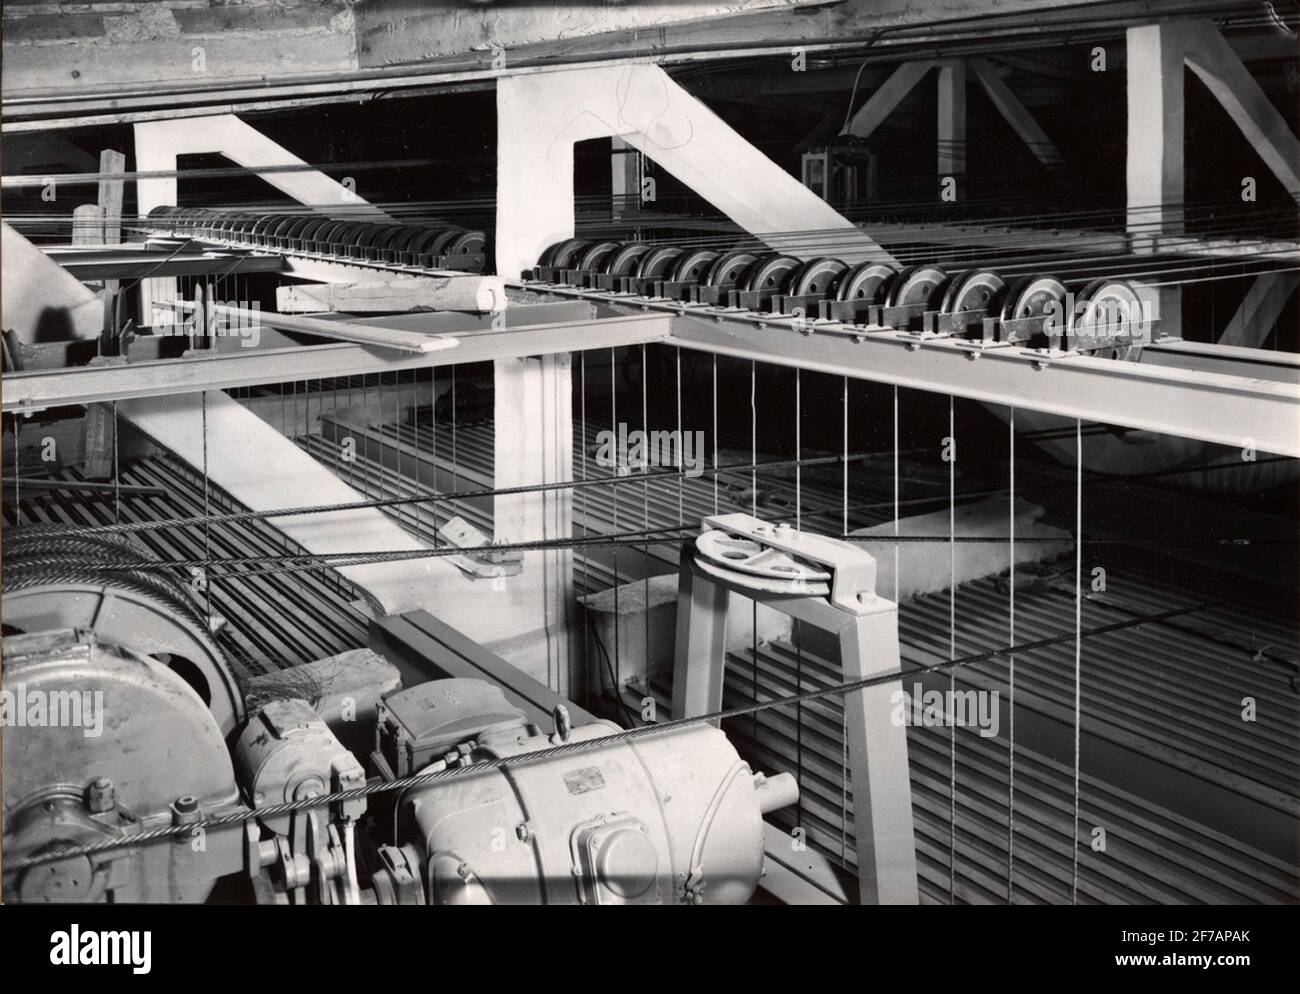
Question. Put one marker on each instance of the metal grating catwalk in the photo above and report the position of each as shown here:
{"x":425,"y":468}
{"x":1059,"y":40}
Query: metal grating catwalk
{"x":1164,"y":694}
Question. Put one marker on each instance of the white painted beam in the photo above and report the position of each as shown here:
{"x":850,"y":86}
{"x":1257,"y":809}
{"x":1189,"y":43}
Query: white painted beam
{"x":263,"y":470}
{"x":887,"y":96}
{"x":1015,"y":113}
{"x":158,"y":143}
{"x":1259,"y":312}
{"x":952,"y":120}
{"x":1154,"y":166}
{"x":539,"y":118}
{"x":41,"y":300}
{"x":1213,"y":60}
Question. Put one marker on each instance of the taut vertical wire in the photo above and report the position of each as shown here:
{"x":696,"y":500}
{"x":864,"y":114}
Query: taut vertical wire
{"x":897,"y":563}
{"x":455,"y":466}
{"x":613,"y":423}
{"x":1078,"y":648}
{"x":18,"y":505}
{"x":753,"y":510}
{"x":433,"y":436}
{"x":207,"y":513}
{"x":1011,"y":672}
{"x":681,"y":442}
{"x":798,"y":644}
{"x":715,"y":433}
{"x":844,"y":712}
{"x":586,"y":571}
{"x":952,"y":652}
{"x":645,"y":486}
{"x":117,"y":481}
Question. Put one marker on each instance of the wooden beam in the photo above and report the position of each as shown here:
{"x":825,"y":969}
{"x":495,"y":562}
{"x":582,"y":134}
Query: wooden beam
{"x":477,"y":294}
{"x":533,"y":417}
{"x":539,"y":118}
{"x":111,"y":187}
{"x":1154,"y":169}
{"x":1259,"y":312}
{"x":952,"y":119}
{"x":1210,"y":56}
{"x":158,"y":143}
{"x":888,"y":96}
{"x":88,"y":225}
{"x":1015,"y":113}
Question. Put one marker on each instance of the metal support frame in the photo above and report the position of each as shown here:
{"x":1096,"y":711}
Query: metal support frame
{"x":866,"y":627}
{"x":1254,"y":410}
{"x":40,"y":389}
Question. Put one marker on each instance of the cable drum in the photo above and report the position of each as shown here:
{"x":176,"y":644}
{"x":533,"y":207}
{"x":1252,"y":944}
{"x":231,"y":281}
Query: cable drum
{"x":50,"y":582}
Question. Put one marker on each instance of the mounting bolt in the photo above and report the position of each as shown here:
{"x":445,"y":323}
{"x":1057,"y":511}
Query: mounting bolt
{"x":521,"y":831}
{"x":101,"y":796}
{"x":185,"y":810}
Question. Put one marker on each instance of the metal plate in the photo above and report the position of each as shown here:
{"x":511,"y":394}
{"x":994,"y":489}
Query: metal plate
{"x":795,"y":588}
{"x":744,"y":555}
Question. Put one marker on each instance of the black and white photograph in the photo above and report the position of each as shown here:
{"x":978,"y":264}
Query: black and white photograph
{"x":699,"y":452}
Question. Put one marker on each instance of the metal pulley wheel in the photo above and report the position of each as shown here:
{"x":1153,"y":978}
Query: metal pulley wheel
{"x":655,"y":264}
{"x":867,"y":281}
{"x":916,"y":285}
{"x":747,"y":562}
{"x":693,"y":266}
{"x":729,"y":267}
{"x":1034,"y":297}
{"x":818,"y":278}
{"x":596,"y":256}
{"x":974,"y":290}
{"x":625,"y":260}
{"x":772,"y":272}
{"x":561,"y":254}
{"x":50,"y":583}
{"x":467,"y":243}
{"x":1108,"y":309}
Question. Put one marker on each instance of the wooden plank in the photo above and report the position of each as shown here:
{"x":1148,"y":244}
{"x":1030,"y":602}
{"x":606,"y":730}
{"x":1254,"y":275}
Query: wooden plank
{"x":478,"y":294}
{"x":111,"y":164}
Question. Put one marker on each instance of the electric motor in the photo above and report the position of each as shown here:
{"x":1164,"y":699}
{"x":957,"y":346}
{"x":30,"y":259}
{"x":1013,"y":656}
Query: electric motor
{"x":672,"y":817}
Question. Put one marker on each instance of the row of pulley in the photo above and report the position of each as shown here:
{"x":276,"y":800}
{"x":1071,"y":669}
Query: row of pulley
{"x":427,"y":246}
{"x":1035,"y":309}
